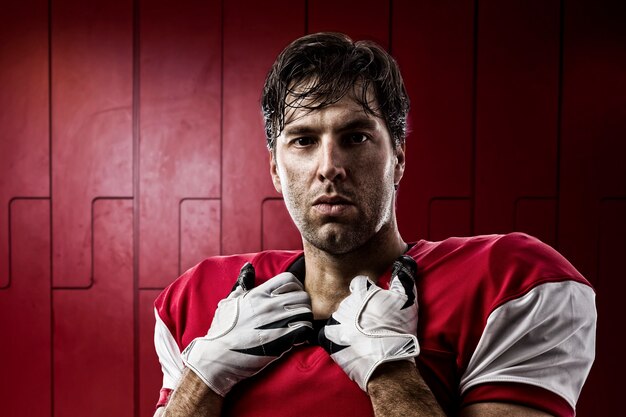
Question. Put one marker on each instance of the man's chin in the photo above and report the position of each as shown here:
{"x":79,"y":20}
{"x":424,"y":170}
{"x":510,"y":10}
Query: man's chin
{"x":334,"y":242}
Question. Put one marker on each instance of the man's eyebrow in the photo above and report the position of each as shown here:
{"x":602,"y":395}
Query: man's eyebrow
{"x":354,"y":124}
{"x":358,"y":124}
{"x":298,"y":130}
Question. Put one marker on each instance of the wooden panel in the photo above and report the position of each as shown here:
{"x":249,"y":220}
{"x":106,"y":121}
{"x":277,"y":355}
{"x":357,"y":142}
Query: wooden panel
{"x":601,"y":396}
{"x":179,"y":124}
{"x":279,"y":231}
{"x":25,"y":358}
{"x":24,"y":149}
{"x":593,"y":149}
{"x":150,"y":376}
{"x":368,"y":19}
{"x":93,"y":328}
{"x":253,"y":37}
{"x":449,"y":217}
{"x":517,"y":108}
{"x":433,"y":43}
{"x":537,"y":217}
{"x":91,"y":122}
{"x":199,"y":231}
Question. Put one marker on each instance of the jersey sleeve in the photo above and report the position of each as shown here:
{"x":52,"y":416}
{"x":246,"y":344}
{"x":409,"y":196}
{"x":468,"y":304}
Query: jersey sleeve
{"x":169,"y":358}
{"x":536,"y":349}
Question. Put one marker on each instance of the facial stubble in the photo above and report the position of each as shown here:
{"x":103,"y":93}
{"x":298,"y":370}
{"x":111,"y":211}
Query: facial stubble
{"x":341,"y":235}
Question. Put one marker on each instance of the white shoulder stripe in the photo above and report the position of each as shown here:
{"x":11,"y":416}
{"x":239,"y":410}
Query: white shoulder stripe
{"x":168,"y":352}
{"x":545,"y":338}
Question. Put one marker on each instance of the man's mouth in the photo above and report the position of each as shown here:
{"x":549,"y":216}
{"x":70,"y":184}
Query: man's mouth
{"x":332,"y":205}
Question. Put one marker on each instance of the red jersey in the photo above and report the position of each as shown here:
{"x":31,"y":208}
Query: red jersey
{"x":501,"y":318}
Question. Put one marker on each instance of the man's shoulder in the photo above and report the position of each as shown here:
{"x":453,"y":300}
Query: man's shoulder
{"x":220,"y":272}
{"x":505,"y":264}
{"x":498,"y":253}
{"x":481,"y":244}
{"x":462,"y":281}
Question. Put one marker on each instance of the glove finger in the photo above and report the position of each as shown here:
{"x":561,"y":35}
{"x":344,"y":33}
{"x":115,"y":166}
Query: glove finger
{"x":292,"y":296}
{"x":279,"y":345}
{"x":288,"y":287}
{"x":294,"y":299}
{"x":360,"y":288}
{"x":304,"y":306}
{"x":304,"y":318}
{"x":361,"y":284}
{"x":403,"y":279}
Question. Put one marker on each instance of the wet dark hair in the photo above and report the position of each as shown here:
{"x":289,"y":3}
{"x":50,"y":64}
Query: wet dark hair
{"x":317,"y":70}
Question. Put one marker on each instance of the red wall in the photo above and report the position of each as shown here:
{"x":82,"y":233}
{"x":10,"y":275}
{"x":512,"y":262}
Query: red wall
{"x":131,"y":146}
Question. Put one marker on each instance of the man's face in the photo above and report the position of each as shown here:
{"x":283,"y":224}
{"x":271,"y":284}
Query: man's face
{"x":336,"y":168}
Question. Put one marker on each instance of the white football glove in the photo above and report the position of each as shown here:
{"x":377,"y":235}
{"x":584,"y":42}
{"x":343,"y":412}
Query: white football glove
{"x":251,"y":328}
{"x":373,"y":326}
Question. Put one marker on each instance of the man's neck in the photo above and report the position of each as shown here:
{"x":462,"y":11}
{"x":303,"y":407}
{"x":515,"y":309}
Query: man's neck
{"x":328,"y":275}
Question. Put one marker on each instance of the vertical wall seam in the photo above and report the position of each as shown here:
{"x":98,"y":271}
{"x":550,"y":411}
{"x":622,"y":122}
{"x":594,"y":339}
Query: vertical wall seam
{"x":52,"y":390}
{"x":559,"y":122}
{"x":180,"y":235}
{"x":474,"y":126}
{"x":136,"y":207}
{"x":221,"y":237}
{"x":262,"y":240}
{"x":10,"y":252}
{"x":389,"y":28}
{"x":306,"y":17}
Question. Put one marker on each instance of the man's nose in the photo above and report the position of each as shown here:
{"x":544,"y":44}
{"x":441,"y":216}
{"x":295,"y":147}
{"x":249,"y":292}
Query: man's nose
{"x":331,"y":161}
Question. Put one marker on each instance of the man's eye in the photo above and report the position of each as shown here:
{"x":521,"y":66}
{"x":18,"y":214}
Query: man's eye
{"x":304,"y":141}
{"x":356,"y":138}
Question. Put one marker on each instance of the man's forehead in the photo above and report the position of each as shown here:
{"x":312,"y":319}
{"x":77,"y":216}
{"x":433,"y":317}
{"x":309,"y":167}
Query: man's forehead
{"x":349,"y":121}
{"x":299,"y":103}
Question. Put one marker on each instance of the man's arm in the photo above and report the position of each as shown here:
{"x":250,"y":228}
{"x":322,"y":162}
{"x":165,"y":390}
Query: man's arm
{"x":397,"y":389}
{"x":192,"y":398}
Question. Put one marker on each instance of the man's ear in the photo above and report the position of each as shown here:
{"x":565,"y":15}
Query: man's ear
{"x":400,"y":161}
{"x":274,"y":172}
